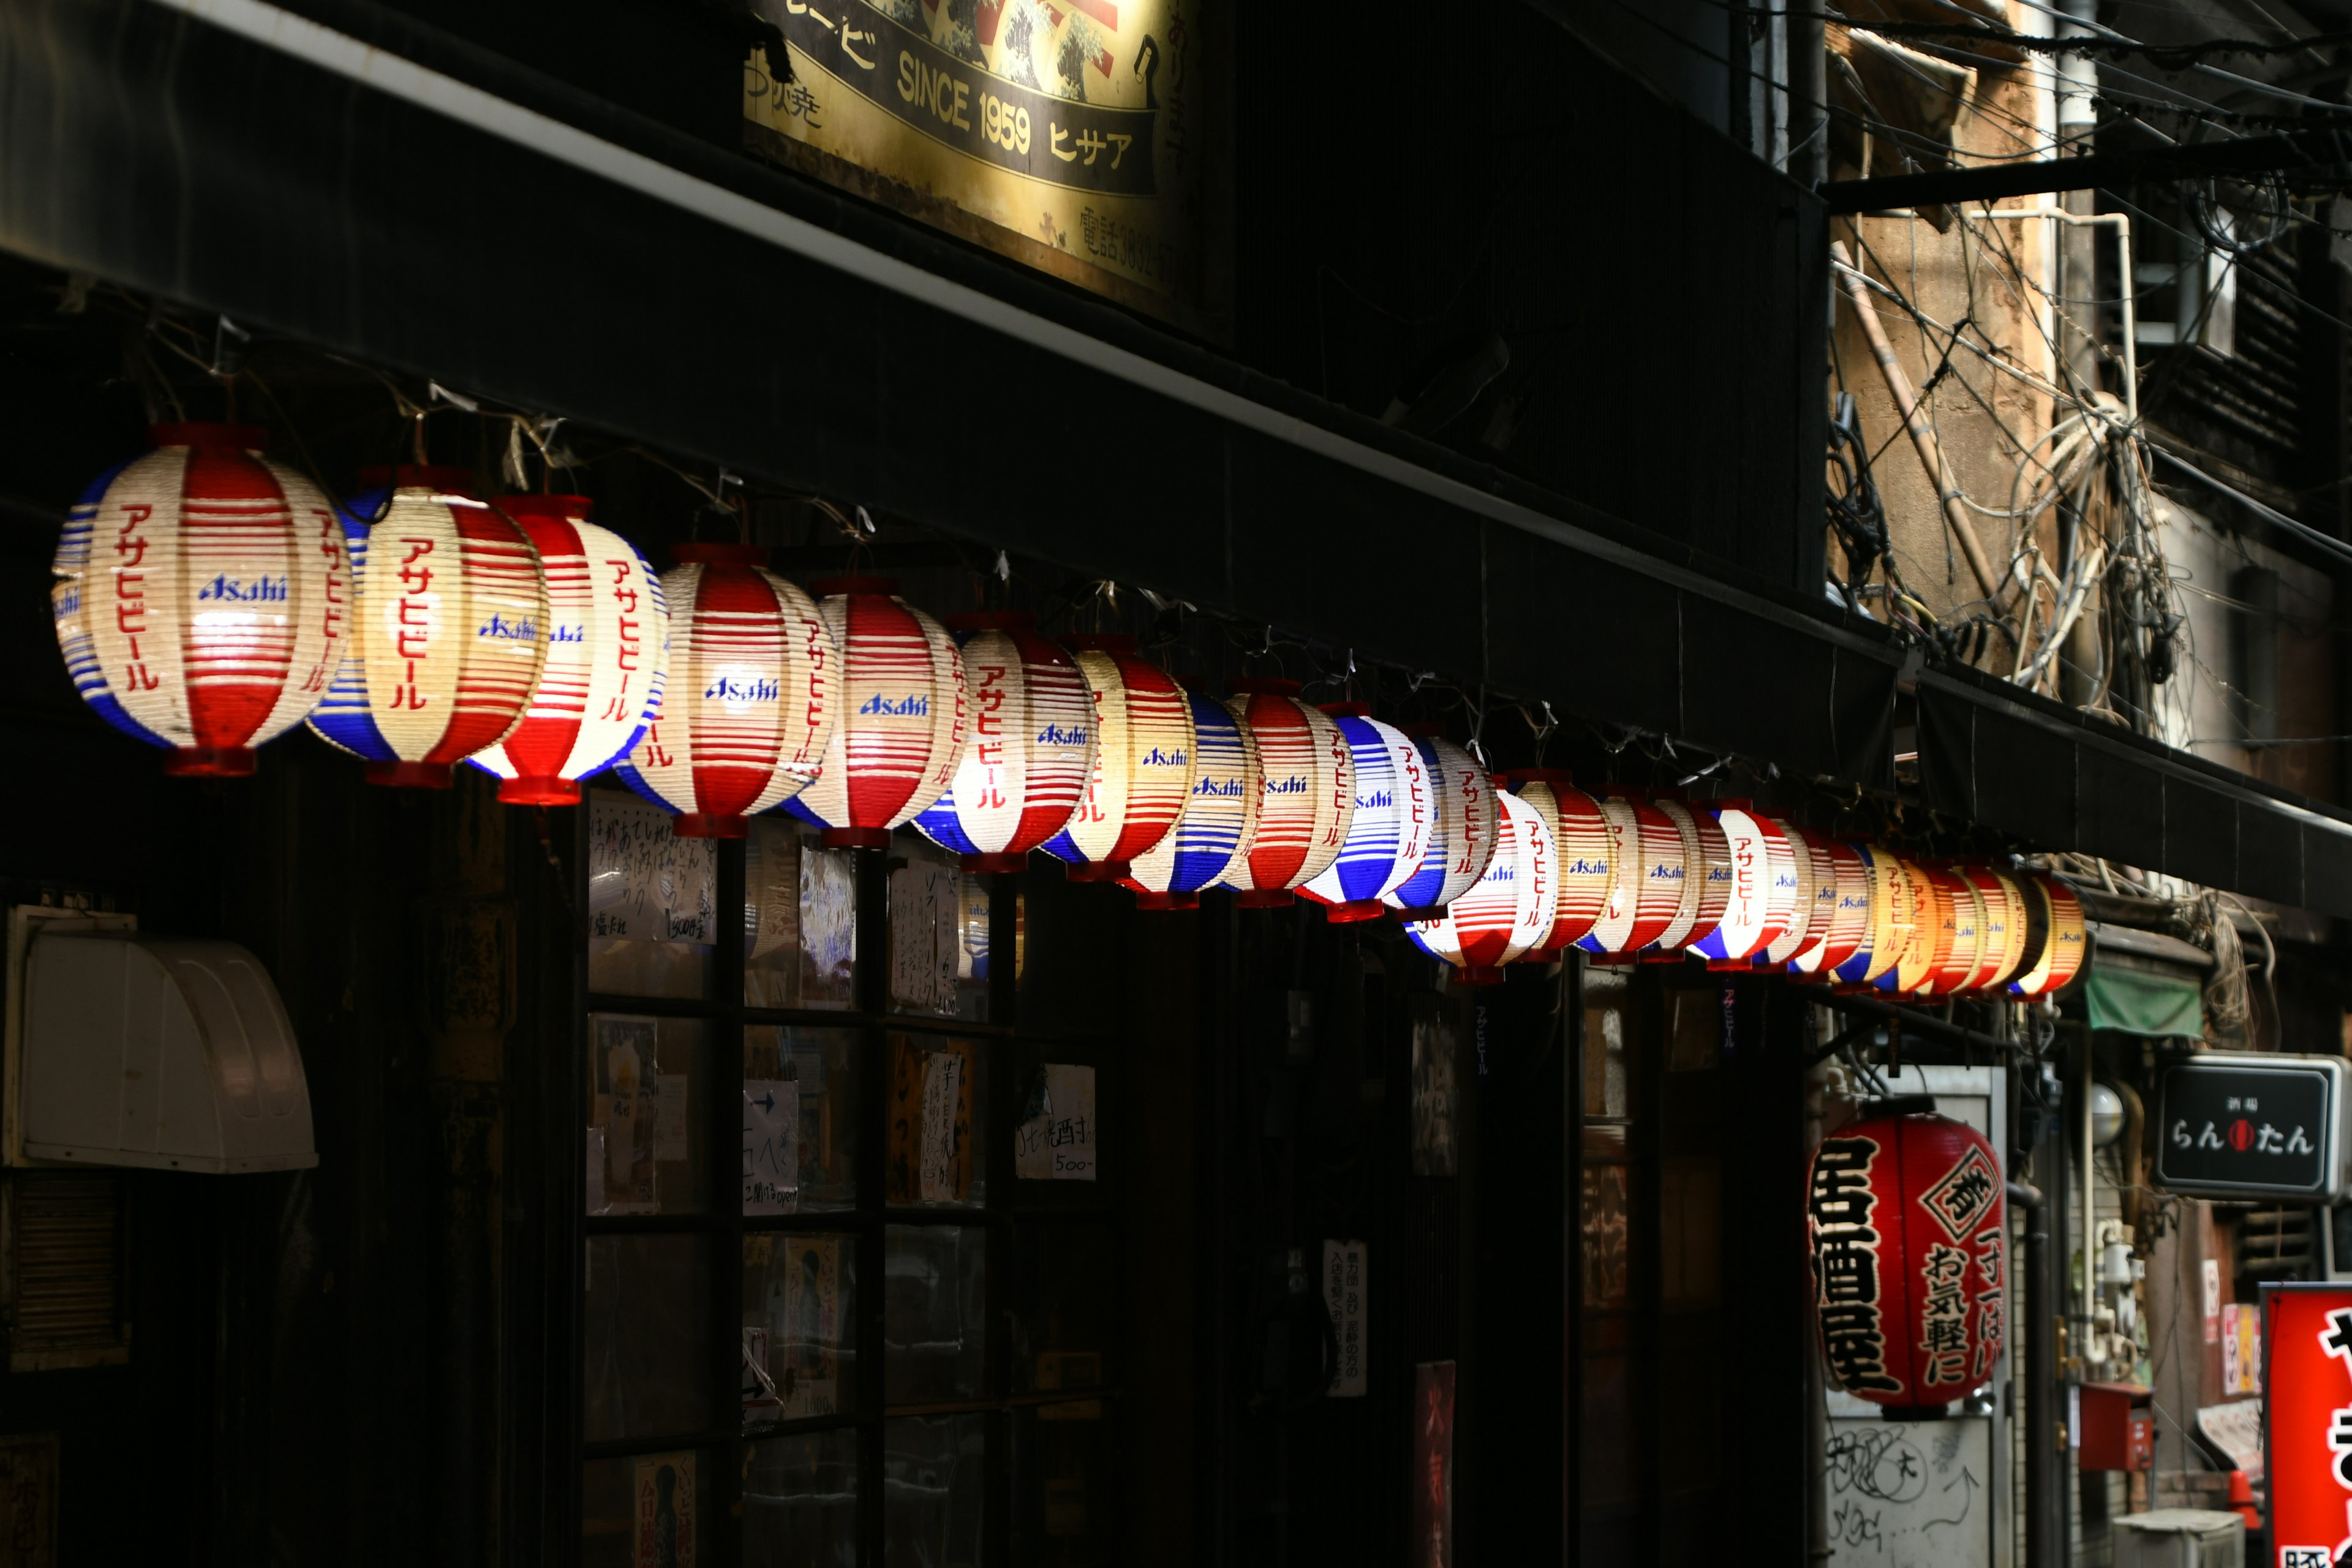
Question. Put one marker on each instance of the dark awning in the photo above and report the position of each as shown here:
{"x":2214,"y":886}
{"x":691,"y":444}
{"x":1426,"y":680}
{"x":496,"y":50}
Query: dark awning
{"x":380,"y":189}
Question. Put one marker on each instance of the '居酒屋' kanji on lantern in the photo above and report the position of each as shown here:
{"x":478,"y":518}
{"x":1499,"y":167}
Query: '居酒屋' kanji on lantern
{"x":1032,"y":747}
{"x":754,"y":681}
{"x":446,"y":642}
{"x":899,"y":729}
{"x":1389,"y":831}
{"x":1462,"y":836}
{"x":202,"y":598}
{"x":1761,"y":891}
{"x":1581,"y":840}
{"x":607,"y":637}
{"x":1910,"y":1264}
{"x":1219,"y":819}
{"x":2056,"y":941}
{"x":1508,"y":911}
{"x":1308,"y":794}
{"x":1143,"y":761}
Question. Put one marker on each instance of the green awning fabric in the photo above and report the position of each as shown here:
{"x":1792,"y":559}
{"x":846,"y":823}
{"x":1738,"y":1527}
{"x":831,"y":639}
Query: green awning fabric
{"x":2135,"y":1002}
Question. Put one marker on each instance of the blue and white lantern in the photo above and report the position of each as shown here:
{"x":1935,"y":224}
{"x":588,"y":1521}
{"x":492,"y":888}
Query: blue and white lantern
{"x":1463,"y":834}
{"x":1219,"y":819}
{"x":1395,"y":818}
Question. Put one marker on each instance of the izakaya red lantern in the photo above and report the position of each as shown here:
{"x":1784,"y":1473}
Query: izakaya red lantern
{"x":203,"y":596}
{"x":1143,"y":761}
{"x":1910,"y":1256}
{"x":1219,"y":819}
{"x":447,"y":646}
{"x":1760,"y":898}
{"x":750,"y":701}
{"x":1390,"y":830}
{"x":899,"y":730}
{"x":1843,"y":910}
{"x":1581,"y":840}
{"x":1309,"y":793}
{"x":2056,"y":941}
{"x":1032,"y":748}
{"x":607,"y":654}
{"x":1652,"y":845}
{"x":1508,"y":910}
{"x":1461,"y":839}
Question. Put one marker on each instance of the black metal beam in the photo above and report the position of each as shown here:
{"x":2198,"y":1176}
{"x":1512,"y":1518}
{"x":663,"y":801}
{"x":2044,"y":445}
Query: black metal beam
{"x":2288,"y":151}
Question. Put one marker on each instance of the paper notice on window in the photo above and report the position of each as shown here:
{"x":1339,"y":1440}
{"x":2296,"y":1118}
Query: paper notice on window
{"x":772,"y":1155}
{"x":644,"y":881}
{"x":926,"y":940}
{"x":943,"y":1092}
{"x":671,"y":1096}
{"x":1055,"y":1141}
{"x":1344,"y":1290}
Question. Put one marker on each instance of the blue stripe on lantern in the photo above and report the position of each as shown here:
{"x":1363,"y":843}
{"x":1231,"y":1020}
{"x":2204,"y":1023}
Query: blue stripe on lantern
{"x":1206,"y":840}
{"x":81,"y":522}
{"x":1421,"y":889}
{"x":798,"y":807}
{"x":343,"y":717}
{"x":938,"y":822}
{"x":1367,"y":858}
{"x":82,"y":663}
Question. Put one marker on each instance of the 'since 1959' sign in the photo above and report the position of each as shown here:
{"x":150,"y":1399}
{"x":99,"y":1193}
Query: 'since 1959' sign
{"x":2253,"y":1126}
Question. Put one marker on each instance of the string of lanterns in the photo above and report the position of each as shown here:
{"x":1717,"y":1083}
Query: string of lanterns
{"x":208,"y":599}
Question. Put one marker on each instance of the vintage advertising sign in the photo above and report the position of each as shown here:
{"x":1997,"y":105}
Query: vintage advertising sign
{"x":2307,"y":1428}
{"x":2246,"y":1126}
{"x":1073,"y":135}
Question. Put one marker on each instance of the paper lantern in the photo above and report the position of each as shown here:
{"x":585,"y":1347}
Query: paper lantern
{"x":1032,"y":748}
{"x":1761,"y":885}
{"x":1580,"y":839}
{"x":752,"y":697}
{"x":448,"y":607}
{"x":1389,"y":831}
{"x":1906,"y":1213}
{"x":1890,"y":919}
{"x":202,"y":597}
{"x":1707,"y":884}
{"x":1917,"y":931}
{"x":1508,"y":910}
{"x":1308,"y":794}
{"x":2056,"y":939}
{"x":2004,"y":930}
{"x":1959,"y":932}
{"x":1219,"y":818}
{"x":1844,"y":909}
{"x":608,"y":638}
{"x":899,"y":731}
{"x":1812,"y":897}
{"x":1143,"y":761}
{"x":1461,"y":839}
{"x":1651,"y":843}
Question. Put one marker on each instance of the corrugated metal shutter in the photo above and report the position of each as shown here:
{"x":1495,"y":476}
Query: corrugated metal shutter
{"x":63,"y":1271}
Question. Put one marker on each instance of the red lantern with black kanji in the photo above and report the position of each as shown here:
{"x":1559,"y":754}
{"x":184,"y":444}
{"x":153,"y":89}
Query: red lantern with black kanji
{"x":1910,"y":1256}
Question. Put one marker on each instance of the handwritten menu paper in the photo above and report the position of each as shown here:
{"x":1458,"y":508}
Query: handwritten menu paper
{"x":1056,"y":1140}
{"x":645,"y":882}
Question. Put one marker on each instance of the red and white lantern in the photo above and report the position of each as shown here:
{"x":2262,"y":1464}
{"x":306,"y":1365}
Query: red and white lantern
{"x":750,"y":701}
{"x":1462,"y":844}
{"x":1707,"y":884}
{"x":449,"y":607}
{"x":1910,"y":1256}
{"x":2004,"y":943}
{"x":1310,"y":793}
{"x":1844,"y":907}
{"x":1581,"y":840}
{"x":1509,"y":910}
{"x":202,"y":597}
{"x":1657,"y":858}
{"x":1812,"y":896}
{"x":1761,"y":886}
{"x":607,"y":656}
{"x":2056,"y":939}
{"x":1032,"y":749}
{"x":1143,"y":770}
{"x":900,"y":732}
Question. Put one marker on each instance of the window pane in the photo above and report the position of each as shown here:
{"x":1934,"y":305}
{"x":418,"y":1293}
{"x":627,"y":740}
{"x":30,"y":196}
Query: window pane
{"x":939,"y":933}
{"x":799,"y":926}
{"x":1064,"y":1469}
{"x":800,"y":1316}
{"x":652,"y":900}
{"x":934,"y":1310}
{"x":800,"y":1120}
{"x":1606,"y":998}
{"x":648,"y":1336}
{"x":648,"y":1507}
{"x":800,"y":1501}
{"x":936,"y":1155}
{"x":647,"y":1079}
{"x":933,"y":1477}
{"x":1060,"y":1303}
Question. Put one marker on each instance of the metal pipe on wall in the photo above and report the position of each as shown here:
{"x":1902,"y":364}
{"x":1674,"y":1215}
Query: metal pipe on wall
{"x":2041,"y":1416}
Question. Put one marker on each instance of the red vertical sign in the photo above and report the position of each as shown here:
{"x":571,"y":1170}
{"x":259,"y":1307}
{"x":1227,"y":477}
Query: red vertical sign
{"x":1432,"y":1545}
{"x":2307,"y":1428}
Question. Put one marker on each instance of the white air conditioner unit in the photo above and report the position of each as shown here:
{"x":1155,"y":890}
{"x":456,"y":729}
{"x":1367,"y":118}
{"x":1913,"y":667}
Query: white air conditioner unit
{"x":150,"y":1052}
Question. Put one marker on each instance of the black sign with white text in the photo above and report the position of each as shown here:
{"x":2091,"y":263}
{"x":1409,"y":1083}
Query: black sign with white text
{"x":2256,"y":1130}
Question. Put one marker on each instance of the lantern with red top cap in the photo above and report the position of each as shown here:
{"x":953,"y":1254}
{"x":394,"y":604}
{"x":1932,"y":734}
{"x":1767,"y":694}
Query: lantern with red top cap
{"x":1308,"y":790}
{"x":1508,"y":910}
{"x":899,"y":728}
{"x":1390,"y":830}
{"x":1142,"y":762}
{"x":1032,"y":747}
{"x":1462,"y":840}
{"x":1581,"y":841}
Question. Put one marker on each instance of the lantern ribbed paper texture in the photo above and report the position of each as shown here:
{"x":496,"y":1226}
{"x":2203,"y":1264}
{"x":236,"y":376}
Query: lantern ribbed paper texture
{"x":898,"y":732}
{"x":1910,"y":1257}
{"x":1032,"y":748}
{"x":2056,"y":939}
{"x":1842,"y":929}
{"x":2004,"y":926}
{"x":607,"y":653}
{"x":1960,"y":922}
{"x":1580,"y":839}
{"x":1916,"y":928}
{"x":753,"y":686}
{"x":202,"y":597}
{"x":1707,"y":885}
{"x":447,"y":644}
{"x":1760,"y":887}
{"x":1888,"y":927}
{"x":1143,"y":761}
{"x":1308,"y":795}
{"x":1612,"y":929}
{"x":1661,"y":874}
{"x":1389,"y":832}
{"x":1219,"y":819}
{"x":1462,"y":840}
{"x":1508,"y":911}
{"x":1812,"y":896}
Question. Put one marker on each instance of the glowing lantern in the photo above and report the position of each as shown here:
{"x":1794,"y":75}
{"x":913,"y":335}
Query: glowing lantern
{"x":1844,"y":927}
{"x":753,"y":686}
{"x":1707,"y":884}
{"x":2056,"y":939}
{"x":1760,"y":898}
{"x":1652,"y":845}
{"x":1580,"y":839}
{"x":1959,"y":932}
{"x":1812,"y":897}
{"x":2004,"y":927}
{"x":1219,"y":819}
{"x":1390,"y":829}
{"x":1509,"y":910}
{"x":1310,"y":793}
{"x":203,"y":596}
{"x":1890,"y":919}
{"x":449,"y":604}
{"x":1910,"y":1257}
{"x":1032,"y":748}
{"x":1461,"y":839}
{"x":608,"y":638}
{"x":1143,"y":762}
{"x":898,"y":730}
{"x":1917,"y":930}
